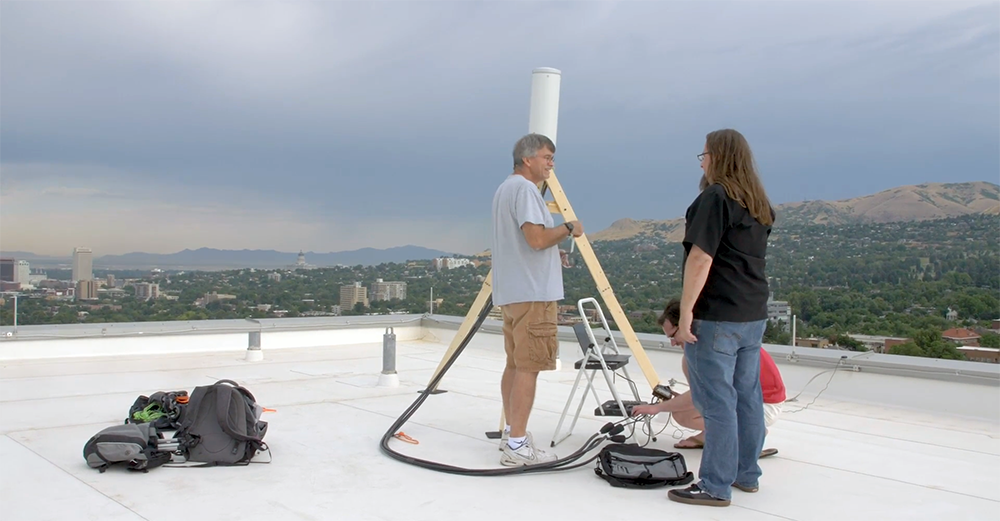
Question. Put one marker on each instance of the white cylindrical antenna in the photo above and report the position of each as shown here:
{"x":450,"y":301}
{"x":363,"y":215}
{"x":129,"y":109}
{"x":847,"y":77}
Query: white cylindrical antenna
{"x":544,"y":115}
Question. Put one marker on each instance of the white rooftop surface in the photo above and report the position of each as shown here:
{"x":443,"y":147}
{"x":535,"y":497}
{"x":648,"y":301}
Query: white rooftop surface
{"x":872,"y":446}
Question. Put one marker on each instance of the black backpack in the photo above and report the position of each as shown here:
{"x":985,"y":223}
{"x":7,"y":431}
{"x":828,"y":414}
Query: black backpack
{"x":221,"y":425}
{"x":631,"y":466}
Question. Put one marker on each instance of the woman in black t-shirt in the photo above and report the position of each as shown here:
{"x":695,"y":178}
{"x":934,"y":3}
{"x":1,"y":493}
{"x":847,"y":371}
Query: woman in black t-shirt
{"x":723,"y":313}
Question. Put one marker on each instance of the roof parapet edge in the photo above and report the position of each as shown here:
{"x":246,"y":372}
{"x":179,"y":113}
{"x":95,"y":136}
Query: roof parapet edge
{"x":895,"y":365}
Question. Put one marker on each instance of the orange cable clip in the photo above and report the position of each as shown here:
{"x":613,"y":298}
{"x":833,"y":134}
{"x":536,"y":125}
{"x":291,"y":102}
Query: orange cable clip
{"x":402,"y":436}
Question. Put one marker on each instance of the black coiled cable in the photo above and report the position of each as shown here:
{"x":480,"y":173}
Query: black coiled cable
{"x":609,"y":431}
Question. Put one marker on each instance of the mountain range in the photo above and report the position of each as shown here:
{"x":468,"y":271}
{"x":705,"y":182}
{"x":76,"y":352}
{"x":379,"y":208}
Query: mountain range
{"x":210,"y":258}
{"x":905,"y":203}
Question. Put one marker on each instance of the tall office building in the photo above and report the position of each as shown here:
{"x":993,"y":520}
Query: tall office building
{"x":778,"y":309}
{"x":22,"y":272}
{"x":388,"y":290}
{"x":352,"y":294}
{"x":86,"y":290}
{"x":83,"y":264}
{"x":7,"y":270}
{"x":147,"y":290}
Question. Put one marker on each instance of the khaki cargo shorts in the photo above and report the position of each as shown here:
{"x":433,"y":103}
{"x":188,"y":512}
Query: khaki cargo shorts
{"x":529,"y":335}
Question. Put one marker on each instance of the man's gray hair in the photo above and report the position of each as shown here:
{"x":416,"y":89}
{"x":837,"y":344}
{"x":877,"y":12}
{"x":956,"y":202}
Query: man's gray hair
{"x":529,"y":145}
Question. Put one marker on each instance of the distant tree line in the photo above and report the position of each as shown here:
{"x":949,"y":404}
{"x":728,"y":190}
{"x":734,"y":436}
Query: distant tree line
{"x":896,"y":279}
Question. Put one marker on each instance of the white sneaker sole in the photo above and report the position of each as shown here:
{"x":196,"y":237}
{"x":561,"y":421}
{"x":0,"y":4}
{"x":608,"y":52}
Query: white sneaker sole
{"x":510,"y":459}
{"x":507,"y":461}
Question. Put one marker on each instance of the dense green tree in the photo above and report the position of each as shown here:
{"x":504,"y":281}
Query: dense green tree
{"x":908,"y":349}
{"x":775,"y":332}
{"x":848,"y":342}
{"x":990,"y":340}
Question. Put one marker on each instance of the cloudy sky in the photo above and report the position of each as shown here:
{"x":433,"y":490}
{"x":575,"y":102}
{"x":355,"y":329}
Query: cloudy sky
{"x":329,"y":126}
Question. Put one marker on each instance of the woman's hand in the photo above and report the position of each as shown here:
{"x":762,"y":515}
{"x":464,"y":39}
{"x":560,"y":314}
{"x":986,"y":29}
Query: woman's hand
{"x":696,"y":271}
{"x":683,"y":333}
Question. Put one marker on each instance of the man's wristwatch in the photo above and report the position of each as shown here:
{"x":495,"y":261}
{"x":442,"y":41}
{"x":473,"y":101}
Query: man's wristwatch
{"x":569,"y":226}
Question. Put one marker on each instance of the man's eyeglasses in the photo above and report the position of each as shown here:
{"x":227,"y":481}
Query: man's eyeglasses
{"x":702,"y":155}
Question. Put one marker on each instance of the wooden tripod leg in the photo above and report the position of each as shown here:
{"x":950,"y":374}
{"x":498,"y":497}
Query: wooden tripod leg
{"x":470,"y":320}
{"x":603,"y":286}
{"x":463,"y":330}
{"x":497,"y":434}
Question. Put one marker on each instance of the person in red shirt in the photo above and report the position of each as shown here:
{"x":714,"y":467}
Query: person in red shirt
{"x":682,"y":407}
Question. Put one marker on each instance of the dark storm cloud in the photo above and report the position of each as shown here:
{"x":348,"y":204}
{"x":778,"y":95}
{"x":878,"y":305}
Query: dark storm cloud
{"x":350,"y":117}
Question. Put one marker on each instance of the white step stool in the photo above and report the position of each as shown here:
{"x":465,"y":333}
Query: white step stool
{"x":606,"y":359}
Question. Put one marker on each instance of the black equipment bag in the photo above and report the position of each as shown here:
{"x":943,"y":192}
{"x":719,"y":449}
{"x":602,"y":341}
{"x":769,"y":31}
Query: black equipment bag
{"x":631,"y":466}
{"x":161,"y":409}
{"x":221,"y":425}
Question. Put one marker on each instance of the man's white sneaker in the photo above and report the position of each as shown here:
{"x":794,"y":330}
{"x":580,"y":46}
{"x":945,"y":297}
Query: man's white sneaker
{"x":526,"y":454}
{"x":504,"y":435}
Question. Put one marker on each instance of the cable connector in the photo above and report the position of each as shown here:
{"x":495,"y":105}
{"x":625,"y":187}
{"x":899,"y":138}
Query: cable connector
{"x":663,"y":392}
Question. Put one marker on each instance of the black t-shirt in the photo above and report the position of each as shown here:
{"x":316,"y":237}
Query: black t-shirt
{"x":736,"y":289}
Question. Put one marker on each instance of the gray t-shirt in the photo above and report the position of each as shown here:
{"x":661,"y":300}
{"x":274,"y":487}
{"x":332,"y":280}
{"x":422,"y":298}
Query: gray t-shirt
{"x":521,"y":273}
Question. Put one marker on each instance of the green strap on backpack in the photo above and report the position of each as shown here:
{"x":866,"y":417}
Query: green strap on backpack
{"x":149,"y":413}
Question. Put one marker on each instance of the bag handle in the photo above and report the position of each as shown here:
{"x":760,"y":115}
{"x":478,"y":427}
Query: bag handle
{"x":240,"y":388}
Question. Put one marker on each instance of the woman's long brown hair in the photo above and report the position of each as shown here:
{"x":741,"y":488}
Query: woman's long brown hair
{"x":732,"y":166}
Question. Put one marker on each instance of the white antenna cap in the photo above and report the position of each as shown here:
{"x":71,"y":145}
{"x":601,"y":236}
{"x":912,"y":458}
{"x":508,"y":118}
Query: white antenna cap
{"x":544,"y":115}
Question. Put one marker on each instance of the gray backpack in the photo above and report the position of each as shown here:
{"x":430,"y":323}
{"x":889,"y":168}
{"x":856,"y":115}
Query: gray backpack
{"x":133,"y":445}
{"x":221,"y":425}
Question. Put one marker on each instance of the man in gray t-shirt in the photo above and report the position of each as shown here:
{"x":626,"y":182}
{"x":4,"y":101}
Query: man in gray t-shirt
{"x":527,"y":285}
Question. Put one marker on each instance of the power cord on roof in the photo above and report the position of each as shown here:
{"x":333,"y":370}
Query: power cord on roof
{"x":647,"y":427}
{"x":610,"y":431}
{"x":840,"y":364}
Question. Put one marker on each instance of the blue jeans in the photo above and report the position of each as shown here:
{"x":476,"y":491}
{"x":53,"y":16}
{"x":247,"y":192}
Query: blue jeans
{"x":724,"y":373}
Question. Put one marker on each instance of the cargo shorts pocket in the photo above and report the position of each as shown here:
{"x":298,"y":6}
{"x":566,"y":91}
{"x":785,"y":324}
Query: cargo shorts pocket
{"x":542,"y":342}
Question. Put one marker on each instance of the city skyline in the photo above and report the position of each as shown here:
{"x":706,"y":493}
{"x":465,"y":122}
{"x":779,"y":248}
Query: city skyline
{"x":214,"y":259}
